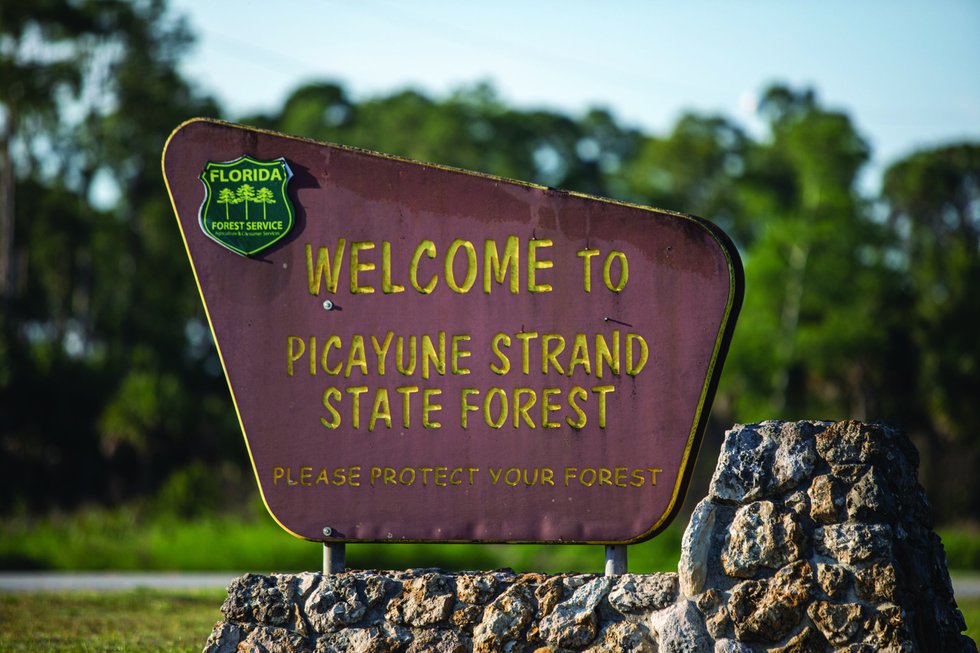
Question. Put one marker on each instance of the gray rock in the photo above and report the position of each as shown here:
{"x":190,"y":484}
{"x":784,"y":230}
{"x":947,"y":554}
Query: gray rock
{"x":852,"y":543}
{"x":256,"y":599}
{"x":623,"y":636}
{"x":768,"y":611}
{"x":808,"y":640}
{"x":385,"y":638}
{"x":840,"y":624}
{"x":476,"y":588}
{"x":225,"y":638}
{"x":714,"y":607}
{"x":440,"y":641}
{"x":796,"y":454}
{"x":744,"y":470}
{"x":847,"y":443}
{"x":877,"y":583}
{"x":504,"y":621}
{"x":760,"y":536}
{"x":574,"y":623}
{"x":334,"y":603}
{"x":643,"y":592}
{"x":730,"y":646}
{"x":427,"y":600}
{"x":270,"y":639}
{"x":696,"y":546}
{"x":376,"y":588}
{"x":680,"y":629}
{"x":834,"y":580}
{"x":869,"y":500}
{"x":826,"y":500}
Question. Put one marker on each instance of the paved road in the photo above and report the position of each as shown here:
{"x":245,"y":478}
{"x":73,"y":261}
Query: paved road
{"x":102,"y":581}
{"x":965,"y":587}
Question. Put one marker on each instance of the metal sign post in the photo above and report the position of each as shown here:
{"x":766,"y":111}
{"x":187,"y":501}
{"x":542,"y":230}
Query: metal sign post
{"x":616,"y":560}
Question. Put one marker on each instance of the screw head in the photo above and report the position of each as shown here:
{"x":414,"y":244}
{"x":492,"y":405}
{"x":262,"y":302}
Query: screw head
{"x":327,"y":305}
{"x":327,"y":531}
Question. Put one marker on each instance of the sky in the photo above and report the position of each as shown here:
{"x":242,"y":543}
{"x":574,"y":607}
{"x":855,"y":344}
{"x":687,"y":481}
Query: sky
{"x":908,"y":73}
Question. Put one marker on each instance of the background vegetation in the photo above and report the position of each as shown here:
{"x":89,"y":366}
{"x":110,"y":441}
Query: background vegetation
{"x":114,"y":413}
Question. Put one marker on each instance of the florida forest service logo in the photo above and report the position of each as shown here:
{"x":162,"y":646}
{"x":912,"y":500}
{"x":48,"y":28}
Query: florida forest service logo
{"x":246,"y":208}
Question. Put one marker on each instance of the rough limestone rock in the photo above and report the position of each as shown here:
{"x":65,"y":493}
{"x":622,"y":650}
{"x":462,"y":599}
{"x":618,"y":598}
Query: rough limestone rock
{"x":815,"y":537}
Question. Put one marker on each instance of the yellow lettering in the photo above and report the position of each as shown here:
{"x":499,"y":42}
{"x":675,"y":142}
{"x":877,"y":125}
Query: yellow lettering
{"x":355,"y":392}
{"x":603,"y":353}
{"x":381,"y":350}
{"x":292,"y":353}
{"x":549,"y":357}
{"x":580,"y":354}
{"x":526,"y":337}
{"x":323,"y":268}
{"x":521,"y":408}
{"x":504,"y":366}
{"x":465,"y":407}
{"x":356,"y":267}
{"x":457,"y":353}
{"x":409,"y":369}
{"x":496,"y":270}
{"x":634,"y":367}
{"x":381,"y":409}
{"x":547,"y":407}
{"x":586,"y":255}
{"x":387,"y":287}
{"x":428,"y":248}
{"x":533,"y":265}
{"x":356,"y":357}
{"x":406,"y":392}
{"x":579,"y":392}
{"x":431,"y":355}
{"x":501,"y":414}
{"x":429,"y":407}
{"x":334,"y":421}
{"x":602,"y":391}
{"x":454,"y":247}
{"x":624,"y":271}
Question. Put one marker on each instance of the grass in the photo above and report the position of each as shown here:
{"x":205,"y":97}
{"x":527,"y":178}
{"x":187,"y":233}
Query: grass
{"x":138,"y":620}
{"x":971,"y":612}
{"x":147,"y":620}
{"x":123,"y":539}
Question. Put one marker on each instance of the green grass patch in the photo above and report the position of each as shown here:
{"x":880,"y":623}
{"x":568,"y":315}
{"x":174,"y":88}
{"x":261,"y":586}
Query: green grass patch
{"x":124,"y":539}
{"x":138,"y":620}
{"x":971,"y":612}
{"x":962,"y":546}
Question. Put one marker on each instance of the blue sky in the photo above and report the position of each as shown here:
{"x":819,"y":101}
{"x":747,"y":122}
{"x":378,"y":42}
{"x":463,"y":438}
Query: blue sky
{"x":907,"y":72}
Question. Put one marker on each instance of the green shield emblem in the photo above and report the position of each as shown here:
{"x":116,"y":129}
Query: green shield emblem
{"x":246,"y":208}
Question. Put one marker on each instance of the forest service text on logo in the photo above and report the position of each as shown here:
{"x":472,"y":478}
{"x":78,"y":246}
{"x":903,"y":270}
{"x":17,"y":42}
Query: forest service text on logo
{"x":246,"y":208}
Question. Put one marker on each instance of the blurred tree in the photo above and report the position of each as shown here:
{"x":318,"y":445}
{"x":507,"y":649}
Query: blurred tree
{"x":471,"y":129}
{"x":695,"y":169}
{"x":932,"y":381}
{"x":808,"y":339}
{"x":109,"y":380}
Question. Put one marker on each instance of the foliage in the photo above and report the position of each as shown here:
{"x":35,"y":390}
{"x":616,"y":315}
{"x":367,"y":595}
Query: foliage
{"x":131,"y":539}
{"x":134,"y":620}
{"x":110,"y":389}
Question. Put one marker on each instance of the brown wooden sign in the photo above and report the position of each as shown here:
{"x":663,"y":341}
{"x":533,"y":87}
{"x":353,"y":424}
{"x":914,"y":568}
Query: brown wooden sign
{"x":419,"y":353}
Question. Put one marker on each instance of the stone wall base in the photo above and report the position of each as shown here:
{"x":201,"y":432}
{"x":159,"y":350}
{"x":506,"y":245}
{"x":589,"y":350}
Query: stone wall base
{"x":815,"y":536}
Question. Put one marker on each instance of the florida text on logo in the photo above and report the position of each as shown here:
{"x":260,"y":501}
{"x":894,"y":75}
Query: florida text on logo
{"x":246,"y":208}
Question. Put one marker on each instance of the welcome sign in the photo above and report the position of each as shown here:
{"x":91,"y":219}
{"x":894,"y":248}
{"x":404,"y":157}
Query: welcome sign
{"x":418,"y":353}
